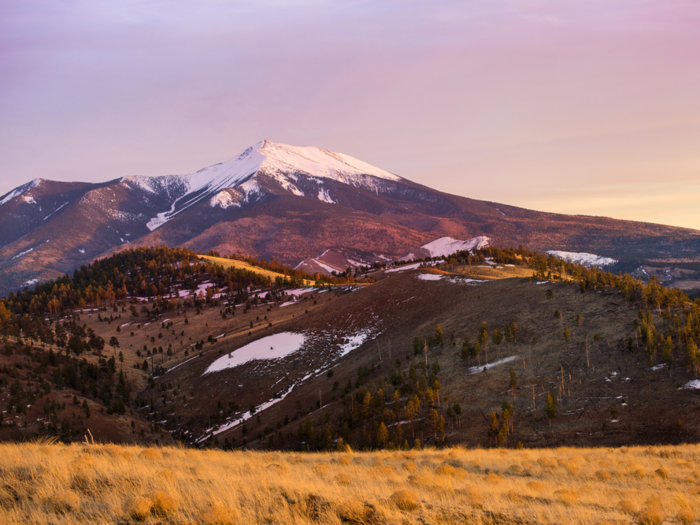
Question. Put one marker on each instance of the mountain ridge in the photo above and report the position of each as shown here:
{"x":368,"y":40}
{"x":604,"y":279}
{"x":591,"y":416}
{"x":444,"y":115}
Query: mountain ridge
{"x":292,"y":204}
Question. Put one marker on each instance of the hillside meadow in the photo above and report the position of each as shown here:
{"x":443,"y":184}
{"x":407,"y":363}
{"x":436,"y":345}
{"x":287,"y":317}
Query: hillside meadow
{"x":69,"y":484}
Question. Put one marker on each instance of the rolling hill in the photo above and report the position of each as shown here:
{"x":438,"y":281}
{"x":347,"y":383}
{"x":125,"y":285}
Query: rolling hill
{"x":468,"y":349}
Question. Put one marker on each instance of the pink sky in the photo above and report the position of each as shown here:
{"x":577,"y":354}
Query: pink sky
{"x":588,"y":107}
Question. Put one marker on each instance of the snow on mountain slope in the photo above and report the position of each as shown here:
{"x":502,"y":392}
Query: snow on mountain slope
{"x":282,"y":163}
{"x":586,"y":259}
{"x":445,"y":246}
{"x":20,"y":191}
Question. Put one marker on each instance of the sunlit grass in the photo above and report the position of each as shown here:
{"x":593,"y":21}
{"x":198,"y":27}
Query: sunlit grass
{"x":51,"y":483}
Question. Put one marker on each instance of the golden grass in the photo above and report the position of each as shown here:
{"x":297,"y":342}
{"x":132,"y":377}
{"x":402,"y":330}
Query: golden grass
{"x":233,"y":263}
{"x":59,"y":484}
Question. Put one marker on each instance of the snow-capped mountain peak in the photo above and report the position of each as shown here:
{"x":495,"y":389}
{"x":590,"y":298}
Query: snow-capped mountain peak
{"x":281,"y":163}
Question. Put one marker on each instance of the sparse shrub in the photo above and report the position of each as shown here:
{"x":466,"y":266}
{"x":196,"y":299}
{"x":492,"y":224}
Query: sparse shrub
{"x":474,"y":495}
{"x":546,"y":462}
{"x":356,"y":512}
{"x":515,"y":468}
{"x":321,"y":469}
{"x":639,"y":473}
{"x":628,"y":507}
{"x":139,"y":509}
{"x":603,"y":475}
{"x":445,"y":470}
{"x":567,"y":496}
{"x":661,"y":472}
{"x":163,"y":504}
{"x":315,"y":506}
{"x":494,"y":478}
{"x":278,"y":467}
{"x":64,"y":501}
{"x":343,"y":479}
{"x":536,"y":486}
{"x":515,"y":496}
{"x":685,"y":516}
{"x":344,"y":460}
{"x":409,"y":466}
{"x":405,"y":500}
{"x":217,"y":514}
{"x":651,"y":516}
{"x":149,"y":454}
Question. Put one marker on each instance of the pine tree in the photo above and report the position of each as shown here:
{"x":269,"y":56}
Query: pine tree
{"x":550,"y":407}
{"x":691,"y":355}
{"x":513,"y":381}
{"x":484,"y":338}
{"x":493,"y":429}
{"x":668,"y":352}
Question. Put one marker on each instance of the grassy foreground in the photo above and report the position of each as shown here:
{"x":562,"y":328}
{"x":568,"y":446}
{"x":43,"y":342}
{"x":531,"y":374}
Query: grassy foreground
{"x":45,"y":483}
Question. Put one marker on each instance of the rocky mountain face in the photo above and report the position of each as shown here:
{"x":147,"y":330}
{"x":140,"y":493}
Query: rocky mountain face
{"x":310,"y":207}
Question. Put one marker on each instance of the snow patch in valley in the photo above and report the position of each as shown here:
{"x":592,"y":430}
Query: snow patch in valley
{"x":404,"y":268}
{"x":692,"y":385}
{"x":586,"y":259}
{"x":30,"y":282}
{"x":81,"y":250}
{"x":271,"y":347}
{"x":430,"y":277}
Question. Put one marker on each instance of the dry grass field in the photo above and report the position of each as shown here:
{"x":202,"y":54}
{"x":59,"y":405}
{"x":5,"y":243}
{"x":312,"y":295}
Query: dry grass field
{"x":50,"y":483}
{"x":234,"y":263}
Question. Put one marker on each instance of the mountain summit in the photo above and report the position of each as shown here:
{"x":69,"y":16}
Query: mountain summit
{"x":279,"y":167}
{"x":294,"y":204}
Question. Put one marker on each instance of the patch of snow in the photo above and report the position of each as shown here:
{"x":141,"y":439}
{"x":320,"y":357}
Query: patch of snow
{"x":244,"y":417}
{"x":19,"y":191}
{"x":354,"y":341}
{"x":586,"y":259}
{"x":20,"y":254}
{"x":56,"y":210}
{"x":30,"y":282}
{"x":692,"y":385}
{"x":28,"y":199}
{"x":271,"y":347}
{"x":325,"y":266}
{"x":445,"y":246}
{"x":476,"y":369}
{"x":404,"y":268}
{"x":658,"y":367}
{"x":180,"y":364}
{"x":430,"y":277}
{"x":81,"y":250}
{"x":325,"y":197}
{"x":462,"y":280}
{"x":223,"y":200}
